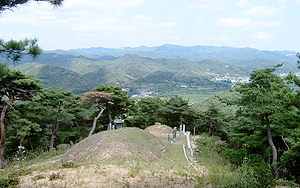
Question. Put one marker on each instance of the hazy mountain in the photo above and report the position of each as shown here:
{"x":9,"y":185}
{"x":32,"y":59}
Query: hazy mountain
{"x":81,"y":70}
{"x":170,"y":51}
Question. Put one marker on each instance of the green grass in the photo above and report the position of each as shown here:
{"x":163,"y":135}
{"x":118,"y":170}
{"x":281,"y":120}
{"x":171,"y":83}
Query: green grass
{"x":220,"y":173}
{"x":173,"y":168}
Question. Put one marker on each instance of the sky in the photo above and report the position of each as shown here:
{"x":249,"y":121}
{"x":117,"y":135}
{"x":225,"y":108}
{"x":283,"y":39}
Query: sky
{"x":260,"y":24}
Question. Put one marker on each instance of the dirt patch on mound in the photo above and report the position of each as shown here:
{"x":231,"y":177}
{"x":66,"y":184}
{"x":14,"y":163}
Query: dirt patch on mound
{"x":159,"y":129}
{"x":125,"y":143}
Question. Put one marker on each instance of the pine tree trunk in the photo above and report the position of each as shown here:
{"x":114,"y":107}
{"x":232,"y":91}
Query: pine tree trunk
{"x":180,"y":119}
{"x":51,"y":142}
{"x":56,"y":128}
{"x":46,"y":146}
{"x":109,"y":120}
{"x":2,"y":117}
{"x":95,"y":120}
{"x":209,"y":129}
{"x":22,"y":140}
{"x":31,"y":146}
{"x":274,"y":149}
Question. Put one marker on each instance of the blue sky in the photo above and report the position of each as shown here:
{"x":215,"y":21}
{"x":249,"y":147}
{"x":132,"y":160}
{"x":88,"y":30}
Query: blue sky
{"x":261,"y":24}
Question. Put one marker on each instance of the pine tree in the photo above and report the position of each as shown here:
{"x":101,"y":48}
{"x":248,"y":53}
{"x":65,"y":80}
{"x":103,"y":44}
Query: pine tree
{"x":10,"y":4}
{"x":119,"y":103}
{"x":264,"y":100}
{"x":14,"y":86}
{"x":98,"y":98}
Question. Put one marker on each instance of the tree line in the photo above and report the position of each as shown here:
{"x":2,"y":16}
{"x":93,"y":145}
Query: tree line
{"x":40,"y":118}
{"x":258,"y":121}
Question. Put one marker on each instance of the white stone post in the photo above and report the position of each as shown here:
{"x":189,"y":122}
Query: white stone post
{"x":174,"y":133}
{"x":180,"y":131}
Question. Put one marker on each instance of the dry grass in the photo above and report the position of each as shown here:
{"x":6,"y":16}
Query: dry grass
{"x":127,"y":169}
{"x":129,"y":174}
{"x":126,"y":143}
{"x":159,"y":129}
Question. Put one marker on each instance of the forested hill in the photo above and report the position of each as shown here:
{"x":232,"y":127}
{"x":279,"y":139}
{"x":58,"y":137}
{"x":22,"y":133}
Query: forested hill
{"x":80,"y":71}
{"x":198,"y":52}
{"x":58,"y":78}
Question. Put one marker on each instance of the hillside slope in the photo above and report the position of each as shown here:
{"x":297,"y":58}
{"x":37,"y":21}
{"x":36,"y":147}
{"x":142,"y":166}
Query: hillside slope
{"x":80,"y":72}
{"x":58,"y":78}
{"x":120,"y":144}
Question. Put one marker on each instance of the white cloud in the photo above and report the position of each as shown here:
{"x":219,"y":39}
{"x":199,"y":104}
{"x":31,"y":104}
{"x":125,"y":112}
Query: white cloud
{"x":202,"y":20}
{"x":246,"y":22}
{"x":289,"y":1}
{"x":168,"y":24}
{"x":243,"y":3}
{"x":207,"y":4}
{"x":196,"y":6}
{"x":262,"y":36}
{"x":103,"y":24}
{"x":115,"y":23}
{"x":103,"y":4}
{"x":261,"y":11}
{"x":220,"y":38}
{"x":141,"y":17}
{"x":234,"y":22}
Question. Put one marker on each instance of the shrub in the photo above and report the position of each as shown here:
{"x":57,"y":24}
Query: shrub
{"x":20,"y":172}
{"x":54,"y":176}
{"x":9,"y":182}
{"x":69,"y":165}
{"x":263,"y":177}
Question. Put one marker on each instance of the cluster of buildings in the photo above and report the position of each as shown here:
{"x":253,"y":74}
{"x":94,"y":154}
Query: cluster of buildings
{"x":233,"y":79}
{"x":144,"y":93}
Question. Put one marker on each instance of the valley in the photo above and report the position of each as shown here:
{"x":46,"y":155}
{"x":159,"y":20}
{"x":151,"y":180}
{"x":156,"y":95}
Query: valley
{"x":164,"y":70}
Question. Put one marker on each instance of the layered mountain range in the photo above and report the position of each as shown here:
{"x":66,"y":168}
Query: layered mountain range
{"x":162,"y":68}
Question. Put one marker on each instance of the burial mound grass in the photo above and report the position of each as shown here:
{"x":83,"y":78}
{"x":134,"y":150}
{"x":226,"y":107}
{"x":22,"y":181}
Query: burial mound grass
{"x":121,"y":144}
{"x":159,"y":129}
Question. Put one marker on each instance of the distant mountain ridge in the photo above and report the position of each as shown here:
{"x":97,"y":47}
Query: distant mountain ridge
{"x":198,"y":52}
{"x":161,"y":68}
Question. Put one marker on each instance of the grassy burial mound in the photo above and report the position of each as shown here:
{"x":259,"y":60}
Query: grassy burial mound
{"x":159,"y":129}
{"x":125,"y":143}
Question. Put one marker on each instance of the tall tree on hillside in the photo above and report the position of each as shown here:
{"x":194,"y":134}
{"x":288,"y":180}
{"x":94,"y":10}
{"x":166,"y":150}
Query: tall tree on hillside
{"x":213,"y":116}
{"x":149,"y":110}
{"x":53,"y":103}
{"x":291,"y":158}
{"x":211,"y":119}
{"x":98,"y":98}
{"x":264,"y":100}
{"x":21,"y":127}
{"x":14,"y":86}
{"x":118,"y":104}
{"x":176,"y":107}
